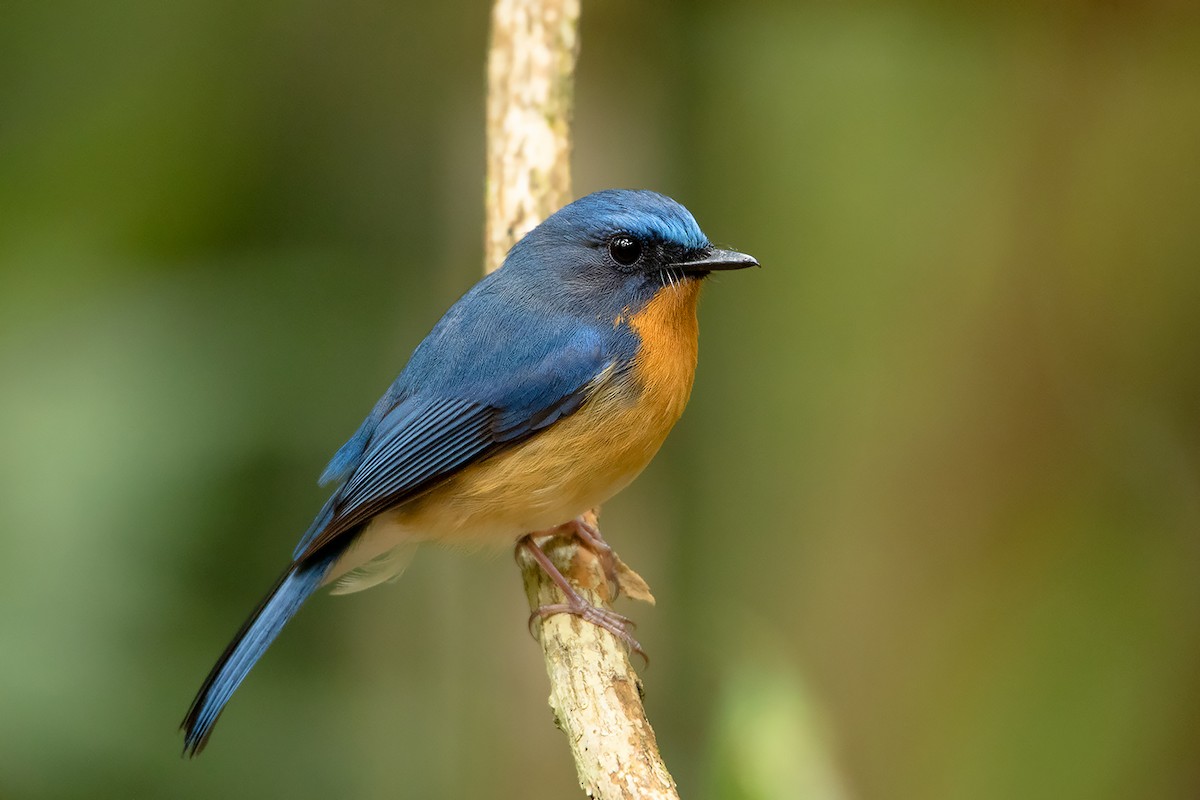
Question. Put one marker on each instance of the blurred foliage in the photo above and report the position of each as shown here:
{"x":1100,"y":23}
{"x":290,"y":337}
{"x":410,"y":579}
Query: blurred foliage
{"x":928,"y":530}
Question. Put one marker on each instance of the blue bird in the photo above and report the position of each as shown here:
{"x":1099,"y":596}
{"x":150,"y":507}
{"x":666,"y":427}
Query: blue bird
{"x":540,"y":394}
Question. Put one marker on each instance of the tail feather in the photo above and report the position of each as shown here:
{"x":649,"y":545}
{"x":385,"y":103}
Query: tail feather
{"x":280,"y":605}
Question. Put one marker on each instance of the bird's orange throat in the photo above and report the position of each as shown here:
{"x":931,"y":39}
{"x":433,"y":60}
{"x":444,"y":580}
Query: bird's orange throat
{"x":666,"y":361}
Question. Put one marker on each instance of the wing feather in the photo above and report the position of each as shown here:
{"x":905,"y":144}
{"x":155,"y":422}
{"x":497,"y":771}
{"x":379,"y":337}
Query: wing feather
{"x":420,"y":444}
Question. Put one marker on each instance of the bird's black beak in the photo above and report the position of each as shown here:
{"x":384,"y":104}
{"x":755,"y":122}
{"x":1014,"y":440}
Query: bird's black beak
{"x":715,"y":259}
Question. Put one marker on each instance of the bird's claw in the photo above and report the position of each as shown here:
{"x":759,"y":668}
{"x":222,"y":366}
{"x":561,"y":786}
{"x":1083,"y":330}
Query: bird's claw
{"x":616,"y":624}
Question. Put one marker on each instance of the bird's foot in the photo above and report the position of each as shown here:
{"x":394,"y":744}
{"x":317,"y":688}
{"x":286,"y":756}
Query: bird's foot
{"x":616,"y":624}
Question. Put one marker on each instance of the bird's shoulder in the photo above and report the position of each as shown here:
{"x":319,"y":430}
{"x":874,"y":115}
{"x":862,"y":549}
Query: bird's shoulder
{"x":503,"y":347}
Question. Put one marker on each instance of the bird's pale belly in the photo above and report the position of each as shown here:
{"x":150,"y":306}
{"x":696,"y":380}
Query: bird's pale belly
{"x":555,"y":476}
{"x":578,"y":463}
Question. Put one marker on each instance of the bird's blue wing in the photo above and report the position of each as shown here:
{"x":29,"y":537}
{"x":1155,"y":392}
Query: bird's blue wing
{"x":435,"y":427}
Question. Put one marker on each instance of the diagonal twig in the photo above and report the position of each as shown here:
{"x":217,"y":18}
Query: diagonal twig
{"x":594,"y":692}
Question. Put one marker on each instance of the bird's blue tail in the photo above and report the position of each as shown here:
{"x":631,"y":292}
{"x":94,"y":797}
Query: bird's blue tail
{"x":256,"y":635}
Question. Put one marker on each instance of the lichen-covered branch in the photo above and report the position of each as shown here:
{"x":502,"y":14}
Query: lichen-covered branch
{"x":531,"y":68}
{"x":594,"y":692}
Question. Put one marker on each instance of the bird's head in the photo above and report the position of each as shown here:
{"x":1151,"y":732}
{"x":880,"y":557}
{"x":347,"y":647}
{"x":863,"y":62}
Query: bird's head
{"x":618,"y":246}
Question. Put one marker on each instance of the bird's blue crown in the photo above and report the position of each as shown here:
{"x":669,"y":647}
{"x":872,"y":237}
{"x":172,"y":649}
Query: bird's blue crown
{"x":638,"y":212}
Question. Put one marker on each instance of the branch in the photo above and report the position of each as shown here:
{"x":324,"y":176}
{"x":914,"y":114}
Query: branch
{"x":531,"y":70}
{"x":594,"y":693}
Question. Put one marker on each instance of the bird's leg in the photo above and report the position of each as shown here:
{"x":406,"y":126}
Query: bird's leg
{"x":589,"y":536}
{"x":611,"y":621}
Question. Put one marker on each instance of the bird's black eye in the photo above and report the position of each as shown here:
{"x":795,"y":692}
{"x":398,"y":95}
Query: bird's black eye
{"x":625,"y":250}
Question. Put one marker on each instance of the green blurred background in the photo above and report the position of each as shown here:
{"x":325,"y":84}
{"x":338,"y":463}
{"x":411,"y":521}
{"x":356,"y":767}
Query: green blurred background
{"x":929,"y":528}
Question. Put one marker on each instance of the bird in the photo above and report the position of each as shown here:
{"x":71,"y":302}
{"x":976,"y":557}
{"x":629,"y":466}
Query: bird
{"x":540,"y":394}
